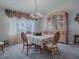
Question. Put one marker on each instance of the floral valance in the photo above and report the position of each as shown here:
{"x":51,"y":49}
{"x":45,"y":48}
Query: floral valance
{"x":11,"y":13}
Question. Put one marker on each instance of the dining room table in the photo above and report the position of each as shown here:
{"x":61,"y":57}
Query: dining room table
{"x":38,"y":39}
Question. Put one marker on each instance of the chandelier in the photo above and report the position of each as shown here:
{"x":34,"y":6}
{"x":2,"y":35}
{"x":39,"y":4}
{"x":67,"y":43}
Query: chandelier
{"x":37,"y":15}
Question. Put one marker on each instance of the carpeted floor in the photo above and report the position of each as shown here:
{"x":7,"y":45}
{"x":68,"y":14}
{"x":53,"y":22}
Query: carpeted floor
{"x":15,"y":52}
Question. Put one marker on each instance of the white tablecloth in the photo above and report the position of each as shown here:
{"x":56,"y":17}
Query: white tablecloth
{"x":38,"y":39}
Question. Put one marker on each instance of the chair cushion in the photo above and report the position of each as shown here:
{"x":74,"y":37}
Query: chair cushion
{"x":1,"y":43}
{"x":50,"y":45}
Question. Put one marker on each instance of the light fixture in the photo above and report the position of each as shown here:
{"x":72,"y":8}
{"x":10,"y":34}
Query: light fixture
{"x":37,"y":15}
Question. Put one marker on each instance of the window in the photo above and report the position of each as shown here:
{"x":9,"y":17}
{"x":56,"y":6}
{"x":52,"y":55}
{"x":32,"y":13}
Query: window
{"x":20,"y":25}
{"x":25,"y":25}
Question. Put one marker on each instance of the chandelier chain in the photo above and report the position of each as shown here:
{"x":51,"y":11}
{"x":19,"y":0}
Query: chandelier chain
{"x":35,"y":6}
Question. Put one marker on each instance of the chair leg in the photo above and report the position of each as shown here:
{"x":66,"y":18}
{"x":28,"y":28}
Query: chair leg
{"x":23,"y":46}
{"x":2,"y":49}
{"x":53,"y":53}
{"x":40,"y":49}
{"x":27,"y":50}
{"x":58,"y":51}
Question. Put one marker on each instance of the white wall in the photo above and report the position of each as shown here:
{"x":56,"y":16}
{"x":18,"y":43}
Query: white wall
{"x":37,"y":26}
{"x":3,"y":26}
{"x":72,"y":7}
{"x":73,"y":26}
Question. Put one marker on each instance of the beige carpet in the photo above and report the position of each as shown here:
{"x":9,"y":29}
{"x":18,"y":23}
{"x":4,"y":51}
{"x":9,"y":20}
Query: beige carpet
{"x":15,"y":52}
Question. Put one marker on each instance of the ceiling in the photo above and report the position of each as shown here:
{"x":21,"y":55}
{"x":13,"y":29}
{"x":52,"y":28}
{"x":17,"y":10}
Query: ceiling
{"x":43,"y":6}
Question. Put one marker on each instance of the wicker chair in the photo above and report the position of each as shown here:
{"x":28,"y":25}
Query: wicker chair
{"x":25,"y":42}
{"x":52,"y":45}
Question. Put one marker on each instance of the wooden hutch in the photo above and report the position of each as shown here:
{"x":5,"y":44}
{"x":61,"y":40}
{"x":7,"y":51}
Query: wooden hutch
{"x":57,"y":21}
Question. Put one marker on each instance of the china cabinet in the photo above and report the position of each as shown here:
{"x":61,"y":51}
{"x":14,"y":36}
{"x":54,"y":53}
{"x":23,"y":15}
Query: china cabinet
{"x":57,"y":21}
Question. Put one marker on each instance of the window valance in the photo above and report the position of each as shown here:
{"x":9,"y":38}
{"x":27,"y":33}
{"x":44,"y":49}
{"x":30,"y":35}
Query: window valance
{"x":11,"y":13}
